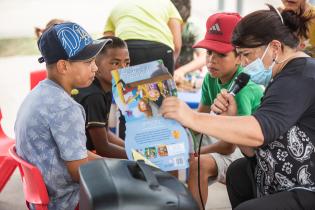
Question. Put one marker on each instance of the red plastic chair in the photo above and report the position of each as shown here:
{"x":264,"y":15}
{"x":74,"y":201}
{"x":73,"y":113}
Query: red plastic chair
{"x":7,"y":163}
{"x":34,"y":187}
{"x":37,"y":76}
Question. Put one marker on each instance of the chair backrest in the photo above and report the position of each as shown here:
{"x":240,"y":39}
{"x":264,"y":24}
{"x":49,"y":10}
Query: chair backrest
{"x":37,"y":76}
{"x":7,"y":164}
{"x":34,"y":187}
{"x":2,"y":134}
{"x":5,"y":141}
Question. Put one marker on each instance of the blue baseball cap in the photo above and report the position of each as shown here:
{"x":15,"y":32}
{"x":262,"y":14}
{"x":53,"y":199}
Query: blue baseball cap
{"x":68,"y":41}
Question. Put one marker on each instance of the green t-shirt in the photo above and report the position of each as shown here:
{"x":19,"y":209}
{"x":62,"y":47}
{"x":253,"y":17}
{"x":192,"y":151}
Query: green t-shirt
{"x":248,"y":99}
{"x":143,"y":20}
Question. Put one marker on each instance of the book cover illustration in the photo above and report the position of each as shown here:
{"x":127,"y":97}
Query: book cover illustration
{"x":139,"y":91}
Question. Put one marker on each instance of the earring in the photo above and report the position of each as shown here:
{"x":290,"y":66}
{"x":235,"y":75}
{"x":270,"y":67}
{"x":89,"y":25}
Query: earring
{"x":275,"y":61}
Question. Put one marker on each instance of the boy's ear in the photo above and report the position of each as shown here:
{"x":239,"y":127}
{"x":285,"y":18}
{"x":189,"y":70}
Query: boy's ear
{"x":62,"y":66}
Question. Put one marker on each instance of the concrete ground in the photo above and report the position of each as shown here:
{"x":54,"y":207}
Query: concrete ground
{"x":12,"y":197}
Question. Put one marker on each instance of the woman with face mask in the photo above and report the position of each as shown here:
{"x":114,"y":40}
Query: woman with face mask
{"x":279,"y":138}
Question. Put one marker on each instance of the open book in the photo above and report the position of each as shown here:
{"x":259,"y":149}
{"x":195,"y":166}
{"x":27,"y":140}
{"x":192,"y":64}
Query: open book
{"x":139,"y":91}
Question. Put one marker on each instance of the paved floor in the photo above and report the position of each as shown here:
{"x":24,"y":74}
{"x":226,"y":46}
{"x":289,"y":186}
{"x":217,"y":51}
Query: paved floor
{"x":11,"y":197}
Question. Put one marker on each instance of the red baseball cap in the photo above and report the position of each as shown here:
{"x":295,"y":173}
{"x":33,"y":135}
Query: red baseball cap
{"x":220,"y":28}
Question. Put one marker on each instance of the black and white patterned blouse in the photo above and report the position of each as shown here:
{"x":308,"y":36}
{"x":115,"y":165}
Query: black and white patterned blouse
{"x":287,"y":118}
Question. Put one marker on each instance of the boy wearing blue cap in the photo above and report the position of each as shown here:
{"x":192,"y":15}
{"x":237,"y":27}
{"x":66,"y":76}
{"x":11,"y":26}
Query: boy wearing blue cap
{"x":50,"y":125}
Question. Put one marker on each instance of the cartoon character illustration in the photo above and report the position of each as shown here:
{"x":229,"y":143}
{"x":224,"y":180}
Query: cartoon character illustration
{"x":163,"y":88}
{"x":149,"y":91}
{"x":129,"y":113}
{"x":162,"y":150}
{"x":126,"y":93}
{"x":144,"y":106}
{"x":150,"y":152}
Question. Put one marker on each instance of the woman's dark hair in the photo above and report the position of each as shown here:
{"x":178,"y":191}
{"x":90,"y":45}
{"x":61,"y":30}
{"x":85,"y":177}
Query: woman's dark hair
{"x":261,"y":27}
{"x":116,"y":43}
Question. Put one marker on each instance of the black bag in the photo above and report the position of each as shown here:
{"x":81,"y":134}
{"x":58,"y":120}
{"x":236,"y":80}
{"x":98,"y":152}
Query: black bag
{"x":112,"y":184}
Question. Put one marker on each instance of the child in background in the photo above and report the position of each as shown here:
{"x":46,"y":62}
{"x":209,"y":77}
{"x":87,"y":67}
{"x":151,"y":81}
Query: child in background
{"x":40,"y":31}
{"x":307,"y":11}
{"x":97,"y":99}
{"x":191,"y":60}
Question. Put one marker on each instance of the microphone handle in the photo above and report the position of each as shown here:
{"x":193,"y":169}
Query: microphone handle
{"x":235,"y":88}
{"x":214,"y":113}
{"x":232,"y":93}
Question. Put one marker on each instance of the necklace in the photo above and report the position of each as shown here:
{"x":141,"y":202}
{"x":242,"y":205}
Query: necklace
{"x":282,"y":63}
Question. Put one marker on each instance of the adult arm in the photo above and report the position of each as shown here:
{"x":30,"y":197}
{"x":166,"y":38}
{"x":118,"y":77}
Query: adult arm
{"x":174,"y":25}
{"x":276,"y":115}
{"x":109,"y":33}
{"x":287,"y":100}
{"x":248,"y":101}
{"x":195,"y":64}
{"x":109,"y":29}
{"x":241,"y":130}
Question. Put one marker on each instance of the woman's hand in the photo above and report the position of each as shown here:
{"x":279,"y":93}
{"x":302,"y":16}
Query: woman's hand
{"x":174,"y":108}
{"x":224,"y":104}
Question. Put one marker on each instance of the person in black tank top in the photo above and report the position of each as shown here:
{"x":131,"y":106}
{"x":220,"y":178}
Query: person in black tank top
{"x":97,"y":99}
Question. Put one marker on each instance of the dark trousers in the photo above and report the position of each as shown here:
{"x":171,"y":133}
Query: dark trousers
{"x":142,"y":51}
{"x":242,"y":191}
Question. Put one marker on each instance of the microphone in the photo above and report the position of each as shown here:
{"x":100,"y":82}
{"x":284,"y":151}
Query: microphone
{"x":240,"y":81}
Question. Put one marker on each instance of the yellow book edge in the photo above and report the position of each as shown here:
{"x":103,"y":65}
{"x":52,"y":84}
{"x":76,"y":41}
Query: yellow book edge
{"x":138,"y":156}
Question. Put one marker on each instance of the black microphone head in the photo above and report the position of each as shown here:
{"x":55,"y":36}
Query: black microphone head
{"x":240,"y":81}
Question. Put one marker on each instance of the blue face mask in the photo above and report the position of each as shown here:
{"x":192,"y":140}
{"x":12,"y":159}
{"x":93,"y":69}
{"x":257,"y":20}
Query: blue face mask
{"x":257,"y":71}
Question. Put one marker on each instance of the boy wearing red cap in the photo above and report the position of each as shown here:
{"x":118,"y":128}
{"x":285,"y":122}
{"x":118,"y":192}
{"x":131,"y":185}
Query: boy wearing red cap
{"x":223,"y":65}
